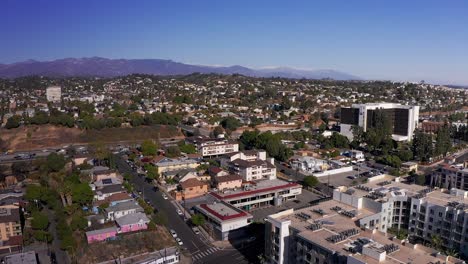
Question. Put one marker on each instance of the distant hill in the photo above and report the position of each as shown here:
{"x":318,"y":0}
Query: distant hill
{"x":102,"y":67}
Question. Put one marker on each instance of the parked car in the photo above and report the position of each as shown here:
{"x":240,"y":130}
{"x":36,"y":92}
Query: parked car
{"x":196,"y":230}
{"x":179,"y":212}
{"x":173,"y":233}
{"x":165,"y":197}
{"x":179,"y":241}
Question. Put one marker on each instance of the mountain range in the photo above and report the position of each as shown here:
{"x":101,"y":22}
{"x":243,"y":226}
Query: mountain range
{"x":102,"y":67}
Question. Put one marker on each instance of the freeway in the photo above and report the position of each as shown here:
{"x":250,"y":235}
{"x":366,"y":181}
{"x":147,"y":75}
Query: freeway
{"x":192,"y":243}
{"x":9,"y":158}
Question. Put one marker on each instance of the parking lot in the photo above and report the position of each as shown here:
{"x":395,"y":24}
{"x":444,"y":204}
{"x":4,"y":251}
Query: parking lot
{"x":346,"y":178}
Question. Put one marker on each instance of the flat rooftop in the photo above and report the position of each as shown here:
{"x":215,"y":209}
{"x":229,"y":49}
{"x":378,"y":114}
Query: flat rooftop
{"x":318,"y":224}
{"x":223,"y":211}
{"x":385,"y":185}
{"x":254,"y":188}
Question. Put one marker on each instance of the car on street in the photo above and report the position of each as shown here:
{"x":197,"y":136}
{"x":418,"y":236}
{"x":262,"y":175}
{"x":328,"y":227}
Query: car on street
{"x":165,"y":197}
{"x":148,"y":201}
{"x":196,"y":230}
{"x":173,"y":233}
{"x":179,"y":212}
{"x":179,"y":241}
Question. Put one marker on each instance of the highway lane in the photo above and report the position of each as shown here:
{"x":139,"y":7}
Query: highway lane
{"x":192,"y":243}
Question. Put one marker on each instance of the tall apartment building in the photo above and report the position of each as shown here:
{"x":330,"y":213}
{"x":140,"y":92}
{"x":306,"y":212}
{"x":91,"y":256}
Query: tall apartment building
{"x":404,"y":118}
{"x":213,"y":146}
{"x":54,"y":94}
{"x":376,"y":206}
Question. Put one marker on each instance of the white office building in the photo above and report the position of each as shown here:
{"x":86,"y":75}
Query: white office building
{"x":404,"y":119}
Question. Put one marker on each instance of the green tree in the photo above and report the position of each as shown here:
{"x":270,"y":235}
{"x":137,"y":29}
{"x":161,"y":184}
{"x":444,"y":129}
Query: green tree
{"x":173,"y":151}
{"x":149,"y":148}
{"x":339,"y":141}
{"x":40,"y":221}
{"x":152,"y":172}
{"x":422,"y":146}
{"x":41,"y":235}
{"x":188,"y":148}
{"x":78,"y":222}
{"x":443,"y":142}
{"x":82,"y":194}
{"x":198,"y":219}
{"x":311,"y":181}
{"x":13,"y":122}
{"x":55,"y":162}
{"x":230,"y":123}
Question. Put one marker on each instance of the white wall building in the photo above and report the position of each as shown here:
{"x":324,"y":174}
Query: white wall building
{"x":54,"y":94}
{"x":214,"y":146}
{"x":404,"y":118}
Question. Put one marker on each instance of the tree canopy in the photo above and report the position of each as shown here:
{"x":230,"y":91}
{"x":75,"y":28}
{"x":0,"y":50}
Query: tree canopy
{"x":149,"y":148}
{"x":310,"y":181}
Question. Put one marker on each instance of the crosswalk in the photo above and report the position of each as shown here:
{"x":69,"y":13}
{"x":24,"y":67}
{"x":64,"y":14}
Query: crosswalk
{"x":205,"y":253}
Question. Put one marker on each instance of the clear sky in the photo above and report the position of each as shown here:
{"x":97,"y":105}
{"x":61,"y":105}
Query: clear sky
{"x":388,"y":39}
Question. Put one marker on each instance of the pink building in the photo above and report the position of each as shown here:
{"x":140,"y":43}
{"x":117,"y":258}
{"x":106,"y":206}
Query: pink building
{"x":101,"y":234}
{"x":132,"y":222}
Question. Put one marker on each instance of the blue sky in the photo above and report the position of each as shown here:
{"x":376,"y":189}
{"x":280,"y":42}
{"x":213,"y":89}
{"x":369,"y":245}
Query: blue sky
{"x":400,"y":40}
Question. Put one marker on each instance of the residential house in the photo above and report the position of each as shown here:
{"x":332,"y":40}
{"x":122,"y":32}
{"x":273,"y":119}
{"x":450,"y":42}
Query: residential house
{"x":214,"y":171}
{"x":226,"y":182}
{"x":106,"y":191}
{"x":109,"y":233}
{"x":121,"y":209}
{"x":105,"y":174}
{"x":132,"y":222}
{"x":164,"y":164}
{"x":253,"y":170}
{"x":191,"y":188}
{"x":79,"y":159}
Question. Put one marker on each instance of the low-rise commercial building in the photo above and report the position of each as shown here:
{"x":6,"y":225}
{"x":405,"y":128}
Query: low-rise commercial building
{"x":226,"y":220}
{"x":260,"y":193}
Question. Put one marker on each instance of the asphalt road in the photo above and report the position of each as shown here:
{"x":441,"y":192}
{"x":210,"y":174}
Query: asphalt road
{"x":192,"y":243}
{"x":9,"y":158}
